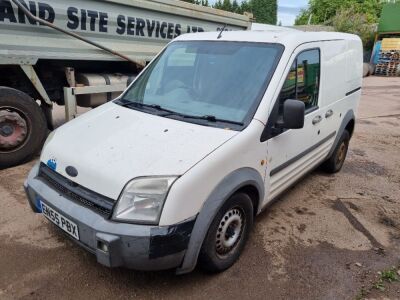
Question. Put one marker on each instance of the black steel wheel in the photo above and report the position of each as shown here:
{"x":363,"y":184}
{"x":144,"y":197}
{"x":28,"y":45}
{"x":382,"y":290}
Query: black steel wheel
{"x":227,"y":234}
{"x":23,"y":127}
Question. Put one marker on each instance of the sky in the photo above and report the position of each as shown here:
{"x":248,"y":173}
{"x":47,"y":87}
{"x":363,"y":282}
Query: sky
{"x":287,"y":10}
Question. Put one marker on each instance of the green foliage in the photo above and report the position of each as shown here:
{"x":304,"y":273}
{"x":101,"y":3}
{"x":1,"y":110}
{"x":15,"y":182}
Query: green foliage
{"x":351,"y":16}
{"x":389,"y":275}
{"x":323,"y":11}
{"x":264,"y":11}
{"x":386,"y":276}
{"x":350,"y":20}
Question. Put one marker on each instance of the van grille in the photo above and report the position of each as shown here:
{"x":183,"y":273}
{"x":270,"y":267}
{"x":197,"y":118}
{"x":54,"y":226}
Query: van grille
{"x":74,"y":192}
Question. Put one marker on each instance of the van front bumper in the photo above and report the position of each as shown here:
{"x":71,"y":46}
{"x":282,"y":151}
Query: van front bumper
{"x":139,"y":247}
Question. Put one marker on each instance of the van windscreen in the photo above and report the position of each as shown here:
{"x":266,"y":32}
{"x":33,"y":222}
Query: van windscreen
{"x":213,"y":81}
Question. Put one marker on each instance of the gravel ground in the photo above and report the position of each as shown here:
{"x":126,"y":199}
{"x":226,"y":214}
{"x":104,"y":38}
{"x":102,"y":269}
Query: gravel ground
{"x":326,"y":238}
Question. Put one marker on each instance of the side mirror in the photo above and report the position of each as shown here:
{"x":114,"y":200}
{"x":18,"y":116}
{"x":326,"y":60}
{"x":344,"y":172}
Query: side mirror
{"x":293,"y":114}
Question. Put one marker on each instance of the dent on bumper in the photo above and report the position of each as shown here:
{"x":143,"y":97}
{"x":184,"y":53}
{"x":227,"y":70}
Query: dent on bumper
{"x":138,"y":247}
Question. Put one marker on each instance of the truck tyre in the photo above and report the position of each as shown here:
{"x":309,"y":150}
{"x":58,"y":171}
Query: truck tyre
{"x":228,"y":234}
{"x":335,"y":162}
{"x":23,"y":127}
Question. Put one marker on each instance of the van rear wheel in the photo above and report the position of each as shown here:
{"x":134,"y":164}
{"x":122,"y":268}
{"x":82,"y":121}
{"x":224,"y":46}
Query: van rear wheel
{"x":23,"y":127}
{"x":335,"y":162}
{"x":227,"y":234}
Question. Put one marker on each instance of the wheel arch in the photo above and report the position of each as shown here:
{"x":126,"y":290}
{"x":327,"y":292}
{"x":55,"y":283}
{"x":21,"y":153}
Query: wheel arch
{"x":350,"y":127}
{"x":348,"y":123}
{"x":245,"y":180}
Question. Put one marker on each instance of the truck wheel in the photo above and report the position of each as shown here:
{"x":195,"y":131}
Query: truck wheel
{"x":227,"y":234}
{"x":23,"y":127}
{"x":335,"y":163}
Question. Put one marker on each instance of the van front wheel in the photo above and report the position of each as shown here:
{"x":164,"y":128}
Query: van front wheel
{"x":227,"y":234}
{"x":335,"y":163}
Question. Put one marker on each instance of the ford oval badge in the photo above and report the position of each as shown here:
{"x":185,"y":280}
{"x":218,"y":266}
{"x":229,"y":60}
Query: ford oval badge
{"x":71,"y":171}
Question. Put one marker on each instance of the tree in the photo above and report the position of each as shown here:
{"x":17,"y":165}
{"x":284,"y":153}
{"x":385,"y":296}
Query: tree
{"x":323,"y":11}
{"x":351,"y":21}
{"x":264,"y":11}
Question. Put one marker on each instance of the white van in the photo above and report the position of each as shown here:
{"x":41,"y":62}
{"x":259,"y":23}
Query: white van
{"x":219,"y":124}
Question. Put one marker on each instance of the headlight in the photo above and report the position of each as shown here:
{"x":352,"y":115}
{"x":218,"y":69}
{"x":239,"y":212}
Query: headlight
{"x":143,"y":199}
{"x":49,"y":138}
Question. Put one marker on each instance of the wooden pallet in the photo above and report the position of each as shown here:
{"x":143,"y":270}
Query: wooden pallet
{"x":388,"y":63}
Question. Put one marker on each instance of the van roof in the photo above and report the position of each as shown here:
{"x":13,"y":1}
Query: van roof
{"x":286,"y":37}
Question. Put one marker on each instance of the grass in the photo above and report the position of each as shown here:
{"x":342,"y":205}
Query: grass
{"x":386,"y":276}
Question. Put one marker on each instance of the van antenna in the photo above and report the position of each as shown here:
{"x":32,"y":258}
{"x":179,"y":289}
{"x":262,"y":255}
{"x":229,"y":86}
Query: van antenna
{"x":220,"y":33}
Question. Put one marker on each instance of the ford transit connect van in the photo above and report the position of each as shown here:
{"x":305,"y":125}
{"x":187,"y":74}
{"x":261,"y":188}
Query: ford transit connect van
{"x":174,"y":171}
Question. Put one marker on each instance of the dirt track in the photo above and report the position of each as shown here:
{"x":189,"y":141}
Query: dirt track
{"x":325,"y":239}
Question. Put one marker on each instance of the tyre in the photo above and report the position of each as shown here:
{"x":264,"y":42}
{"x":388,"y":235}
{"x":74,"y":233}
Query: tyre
{"x":23,"y":127}
{"x":228,"y":234}
{"x":335,"y":162}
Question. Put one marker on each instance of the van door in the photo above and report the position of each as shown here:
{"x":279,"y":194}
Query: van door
{"x":292,"y":153}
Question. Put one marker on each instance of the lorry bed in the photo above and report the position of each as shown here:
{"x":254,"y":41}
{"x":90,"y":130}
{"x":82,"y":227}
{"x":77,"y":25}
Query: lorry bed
{"x":136,"y":28}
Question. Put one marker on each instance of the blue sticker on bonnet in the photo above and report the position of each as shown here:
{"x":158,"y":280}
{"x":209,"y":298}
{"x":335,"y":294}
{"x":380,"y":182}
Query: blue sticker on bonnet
{"x":52,"y":164}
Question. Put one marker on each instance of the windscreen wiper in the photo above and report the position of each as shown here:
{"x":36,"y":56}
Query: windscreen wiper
{"x":168,"y":112}
{"x":207,"y":118}
{"x":126,"y":103}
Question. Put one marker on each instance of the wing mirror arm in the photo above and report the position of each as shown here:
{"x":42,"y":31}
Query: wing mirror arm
{"x":293,"y":118}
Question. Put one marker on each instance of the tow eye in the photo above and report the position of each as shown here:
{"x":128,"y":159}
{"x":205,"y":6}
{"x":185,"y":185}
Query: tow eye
{"x":13,"y":130}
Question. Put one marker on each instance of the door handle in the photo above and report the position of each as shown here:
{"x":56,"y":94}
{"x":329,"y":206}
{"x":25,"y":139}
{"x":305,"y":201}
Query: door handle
{"x":316,"y":120}
{"x":329,"y":113}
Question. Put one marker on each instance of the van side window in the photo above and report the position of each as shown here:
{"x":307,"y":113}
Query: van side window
{"x":302,"y":82}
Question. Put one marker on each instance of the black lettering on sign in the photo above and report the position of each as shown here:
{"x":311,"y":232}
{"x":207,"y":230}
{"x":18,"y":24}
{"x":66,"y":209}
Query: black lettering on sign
{"x":103,"y":22}
{"x":150,"y":27}
{"x":177,"y":30}
{"x":130,"y":28}
{"x":46,"y":12}
{"x":121,"y":24}
{"x":21,"y":15}
{"x":93,"y":15}
{"x":157,"y":29}
{"x":162,"y":30}
{"x":83,"y":19}
{"x":73,"y":19}
{"x":140,"y":25}
{"x":170,"y":30}
{"x":7,"y":12}
{"x":147,"y":28}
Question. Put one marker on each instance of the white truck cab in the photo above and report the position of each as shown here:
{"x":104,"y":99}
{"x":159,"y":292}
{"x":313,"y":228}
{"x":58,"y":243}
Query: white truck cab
{"x":216,"y":127}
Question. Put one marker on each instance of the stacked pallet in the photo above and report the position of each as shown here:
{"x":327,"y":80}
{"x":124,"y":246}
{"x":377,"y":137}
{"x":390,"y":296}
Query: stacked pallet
{"x":389,"y":58}
{"x":388,"y":63}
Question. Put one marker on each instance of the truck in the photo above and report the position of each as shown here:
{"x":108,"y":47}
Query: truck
{"x":81,"y":53}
